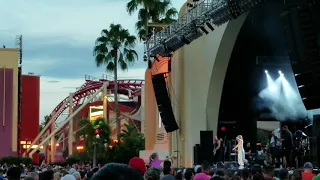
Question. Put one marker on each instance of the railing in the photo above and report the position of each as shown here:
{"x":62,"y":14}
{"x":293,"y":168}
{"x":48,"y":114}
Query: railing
{"x":187,"y":27}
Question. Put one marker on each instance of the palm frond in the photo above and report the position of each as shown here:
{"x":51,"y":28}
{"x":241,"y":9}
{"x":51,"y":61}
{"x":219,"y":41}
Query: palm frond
{"x":142,"y":34}
{"x":143,"y":14}
{"x":122,"y":62}
{"x":101,"y":40}
{"x":130,"y":55}
{"x":132,"y":6}
{"x":100,"y":49}
{"x":172,"y":13}
{"x":110,"y":67}
{"x":140,"y":24}
{"x":130,"y":41}
{"x":100,"y":59}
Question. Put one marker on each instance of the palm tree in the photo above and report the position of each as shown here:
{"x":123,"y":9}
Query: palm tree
{"x":151,"y":11}
{"x":87,"y":130}
{"x":114,"y":47}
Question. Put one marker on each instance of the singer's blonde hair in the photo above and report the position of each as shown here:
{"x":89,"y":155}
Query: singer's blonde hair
{"x":240,"y":137}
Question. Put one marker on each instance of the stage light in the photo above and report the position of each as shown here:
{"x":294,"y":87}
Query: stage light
{"x":266,"y":71}
{"x":204,"y":29}
{"x":173,"y":43}
{"x":220,"y":13}
{"x":246,"y":5}
{"x":223,"y":128}
{"x":280,"y":72}
{"x":159,"y":49}
{"x":210,"y":26}
{"x":192,"y":33}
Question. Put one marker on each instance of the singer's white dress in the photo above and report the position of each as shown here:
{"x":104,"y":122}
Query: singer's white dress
{"x":241,"y":154}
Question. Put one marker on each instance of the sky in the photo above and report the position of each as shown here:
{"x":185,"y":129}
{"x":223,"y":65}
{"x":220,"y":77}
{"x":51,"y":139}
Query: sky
{"x":58,"y":38}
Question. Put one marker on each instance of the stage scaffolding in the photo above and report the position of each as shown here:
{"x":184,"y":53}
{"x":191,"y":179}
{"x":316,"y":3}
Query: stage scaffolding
{"x":206,"y":13}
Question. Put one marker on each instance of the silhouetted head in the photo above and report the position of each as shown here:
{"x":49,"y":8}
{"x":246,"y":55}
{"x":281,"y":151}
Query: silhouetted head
{"x":47,"y":175}
{"x":205,"y":166}
{"x":115,"y":171}
{"x":153,"y":174}
{"x":14,"y":173}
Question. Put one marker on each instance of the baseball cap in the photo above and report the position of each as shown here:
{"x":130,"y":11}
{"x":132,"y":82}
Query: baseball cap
{"x":138,"y":164}
{"x":308,"y":165}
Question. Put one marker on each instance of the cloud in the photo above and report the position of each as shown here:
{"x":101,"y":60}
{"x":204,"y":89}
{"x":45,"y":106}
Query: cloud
{"x":72,"y":20}
{"x":58,"y":38}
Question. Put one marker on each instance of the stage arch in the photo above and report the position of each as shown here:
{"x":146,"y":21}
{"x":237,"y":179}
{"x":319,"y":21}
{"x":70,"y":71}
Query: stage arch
{"x":197,"y":77}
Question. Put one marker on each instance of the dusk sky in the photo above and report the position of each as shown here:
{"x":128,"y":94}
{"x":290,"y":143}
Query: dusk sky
{"x":58,"y":38}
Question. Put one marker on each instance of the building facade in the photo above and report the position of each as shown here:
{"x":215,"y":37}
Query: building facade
{"x":8,"y":101}
{"x":30,"y":111}
{"x":198,"y":73}
{"x":196,"y":80}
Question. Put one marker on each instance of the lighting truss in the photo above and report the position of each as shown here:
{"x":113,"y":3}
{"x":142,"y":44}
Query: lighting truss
{"x":247,"y":5}
{"x":188,"y":27}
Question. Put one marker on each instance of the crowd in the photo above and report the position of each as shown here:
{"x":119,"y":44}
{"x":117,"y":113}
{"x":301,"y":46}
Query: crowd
{"x":136,"y":169}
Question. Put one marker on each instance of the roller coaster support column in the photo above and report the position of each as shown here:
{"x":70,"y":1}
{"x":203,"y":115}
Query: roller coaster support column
{"x":52,"y":145}
{"x":70,"y":136}
{"x":65,"y":122}
{"x":63,"y":143}
{"x":53,"y":118}
{"x":105,"y":102}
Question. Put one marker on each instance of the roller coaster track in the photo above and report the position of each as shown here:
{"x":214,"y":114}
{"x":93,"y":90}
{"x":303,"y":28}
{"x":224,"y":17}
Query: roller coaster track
{"x":91,"y":86}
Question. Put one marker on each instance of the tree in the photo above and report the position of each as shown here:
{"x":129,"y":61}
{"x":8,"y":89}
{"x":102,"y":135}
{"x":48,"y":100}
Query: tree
{"x":131,"y":142}
{"x":133,"y":139}
{"x":87,"y":129}
{"x":44,"y":122}
{"x":113,"y":47}
{"x":151,"y":11}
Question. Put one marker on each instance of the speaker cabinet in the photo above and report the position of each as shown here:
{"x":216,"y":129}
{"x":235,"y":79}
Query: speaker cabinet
{"x":315,"y":141}
{"x":206,"y":144}
{"x":164,"y":103}
{"x":302,"y":36}
{"x":197,"y":159}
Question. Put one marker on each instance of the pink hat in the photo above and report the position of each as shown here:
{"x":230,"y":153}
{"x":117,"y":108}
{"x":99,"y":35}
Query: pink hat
{"x":201,"y":176}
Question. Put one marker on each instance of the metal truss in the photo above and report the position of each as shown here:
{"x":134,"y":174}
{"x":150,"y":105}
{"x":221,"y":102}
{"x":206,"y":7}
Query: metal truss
{"x":188,"y":27}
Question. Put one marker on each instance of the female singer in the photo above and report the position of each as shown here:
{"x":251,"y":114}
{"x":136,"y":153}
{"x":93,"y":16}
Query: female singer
{"x":154,"y":160}
{"x":240,"y":151}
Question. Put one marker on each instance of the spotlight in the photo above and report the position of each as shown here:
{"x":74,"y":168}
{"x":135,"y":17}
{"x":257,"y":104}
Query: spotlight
{"x":190,"y":5}
{"x":210,"y":26}
{"x":204,"y":29}
{"x":280,"y":72}
{"x":266,"y":71}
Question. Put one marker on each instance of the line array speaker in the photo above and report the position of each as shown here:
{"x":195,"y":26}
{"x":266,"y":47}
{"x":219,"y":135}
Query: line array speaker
{"x":206,"y":144}
{"x":302,"y":36}
{"x":164,"y":103}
